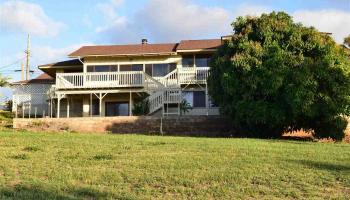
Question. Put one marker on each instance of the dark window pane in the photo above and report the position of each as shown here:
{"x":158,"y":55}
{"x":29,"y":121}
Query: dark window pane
{"x":199,"y":99}
{"x":160,"y":69}
{"x":90,"y":68}
{"x":114,"y":68}
{"x":148,"y":69}
{"x":187,"y":61}
{"x":95,"y":109}
{"x":137,"y":67}
{"x":202,"y":60}
{"x":172,"y":67}
{"x":124,"y":68}
{"x":117,"y":109}
{"x":123,"y":109}
{"x":102,"y":68}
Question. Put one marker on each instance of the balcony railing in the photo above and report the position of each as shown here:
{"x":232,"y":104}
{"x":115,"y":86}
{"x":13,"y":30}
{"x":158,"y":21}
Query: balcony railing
{"x":130,"y":79}
{"x":99,"y":80}
{"x":191,"y":75}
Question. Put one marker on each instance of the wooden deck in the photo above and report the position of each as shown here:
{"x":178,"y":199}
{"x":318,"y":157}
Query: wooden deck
{"x":129,"y":79}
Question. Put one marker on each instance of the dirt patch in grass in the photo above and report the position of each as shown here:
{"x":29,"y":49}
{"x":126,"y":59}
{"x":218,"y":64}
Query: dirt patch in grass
{"x":307,"y":136}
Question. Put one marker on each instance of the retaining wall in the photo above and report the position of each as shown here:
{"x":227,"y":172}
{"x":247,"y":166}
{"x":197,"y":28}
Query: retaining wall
{"x":184,"y":125}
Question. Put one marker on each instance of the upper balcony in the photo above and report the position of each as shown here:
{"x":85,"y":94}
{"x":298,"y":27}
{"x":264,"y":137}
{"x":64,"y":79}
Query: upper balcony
{"x":130,"y":79}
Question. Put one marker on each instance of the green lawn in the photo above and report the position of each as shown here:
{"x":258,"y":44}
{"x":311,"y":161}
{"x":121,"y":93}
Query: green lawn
{"x":88,"y":166}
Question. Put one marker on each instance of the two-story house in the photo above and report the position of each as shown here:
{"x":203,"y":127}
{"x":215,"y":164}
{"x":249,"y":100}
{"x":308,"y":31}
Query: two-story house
{"x":108,"y":80}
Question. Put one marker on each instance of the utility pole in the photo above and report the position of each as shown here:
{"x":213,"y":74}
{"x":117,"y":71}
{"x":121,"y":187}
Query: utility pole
{"x":22,"y":70}
{"x":27,"y":52}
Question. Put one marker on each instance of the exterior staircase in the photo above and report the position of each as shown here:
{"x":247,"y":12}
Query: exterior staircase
{"x":164,"y":91}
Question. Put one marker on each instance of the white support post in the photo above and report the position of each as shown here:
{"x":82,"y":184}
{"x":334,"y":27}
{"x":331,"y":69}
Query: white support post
{"x":51,"y":107}
{"x":100,"y":104}
{"x":22,"y":110}
{"x":35,"y":110}
{"x":30,"y":109}
{"x":43,"y":114}
{"x":130,"y":105}
{"x":68,"y":107}
{"x":179,"y":102}
{"x":90,"y":104}
{"x":58,"y":105}
{"x":16,"y":114}
{"x":206,"y":99}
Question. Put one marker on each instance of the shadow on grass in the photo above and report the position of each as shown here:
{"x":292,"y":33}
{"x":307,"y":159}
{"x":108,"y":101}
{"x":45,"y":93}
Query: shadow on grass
{"x":28,"y":193}
{"x":296,"y":138}
{"x":323,"y":165}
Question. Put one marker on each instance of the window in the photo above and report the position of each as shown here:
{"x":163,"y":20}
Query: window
{"x":117,"y":109}
{"x":102,"y":68}
{"x":160,"y":69}
{"x":196,"y":98}
{"x":157,"y":70}
{"x":134,"y":67}
{"x":188,"y":61}
{"x":95,"y":109}
{"x":149,"y":69}
{"x":202,"y":60}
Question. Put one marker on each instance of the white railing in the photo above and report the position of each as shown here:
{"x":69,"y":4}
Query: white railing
{"x":170,"y":80}
{"x":155,"y":101}
{"x":197,"y":75}
{"x":167,"y":96}
{"x":99,"y":80}
{"x":152,"y":84}
{"x":172,"y":96}
{"x":132,"y":79}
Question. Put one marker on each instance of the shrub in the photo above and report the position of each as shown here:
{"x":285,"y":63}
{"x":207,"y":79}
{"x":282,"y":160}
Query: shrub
{"x":141,"y":107}
{"x":333,"y":128}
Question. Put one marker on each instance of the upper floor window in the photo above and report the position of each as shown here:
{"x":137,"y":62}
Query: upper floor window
{"x":202,"y":60}
{"x":188,"y":61}
{"x":102,"y":68}
{"x":133,"y":67}
{"x":158,"y":70}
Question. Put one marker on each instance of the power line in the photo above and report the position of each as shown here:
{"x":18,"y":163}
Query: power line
{"x":9,"y":65}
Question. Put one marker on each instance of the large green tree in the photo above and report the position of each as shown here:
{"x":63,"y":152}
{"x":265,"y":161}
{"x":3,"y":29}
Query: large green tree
{"x":275,"y":75}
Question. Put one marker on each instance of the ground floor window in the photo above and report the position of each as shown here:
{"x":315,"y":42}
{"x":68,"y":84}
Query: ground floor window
{"x":95,"y":107}
{"x":117,"y":108}
{"x":195,"y":98}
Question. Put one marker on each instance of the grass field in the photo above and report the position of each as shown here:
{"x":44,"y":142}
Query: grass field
{"x":88,"y":166}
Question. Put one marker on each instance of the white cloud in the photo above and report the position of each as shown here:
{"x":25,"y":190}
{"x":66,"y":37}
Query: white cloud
{"x":109,"y":11}
{"x":165,"y":21}
{"x":47,"y":54}
{"x":251,"y":10}
{"x":28,"y":18}
{"x":336,"y":22}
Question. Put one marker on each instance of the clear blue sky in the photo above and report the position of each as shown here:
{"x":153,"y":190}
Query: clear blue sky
{"x":58,"y":27}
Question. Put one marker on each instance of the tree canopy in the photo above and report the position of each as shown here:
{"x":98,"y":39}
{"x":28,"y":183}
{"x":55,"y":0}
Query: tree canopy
{"x":275,"y":75}
{"x":347,"y":41}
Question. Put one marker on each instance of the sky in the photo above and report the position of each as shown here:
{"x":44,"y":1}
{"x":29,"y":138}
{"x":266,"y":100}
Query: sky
{"x":58,"y":27}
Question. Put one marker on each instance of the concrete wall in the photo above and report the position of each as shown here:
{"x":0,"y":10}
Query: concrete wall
{"x":197,"y":126}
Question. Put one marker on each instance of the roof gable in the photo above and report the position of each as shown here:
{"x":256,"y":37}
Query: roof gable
{"x":132,"y":49}
{"x":199,"y":44}
{"x":41,"y":79}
